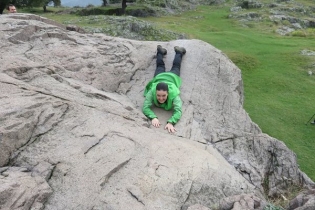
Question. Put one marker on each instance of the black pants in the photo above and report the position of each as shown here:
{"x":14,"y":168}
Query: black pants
{"x":160,"y":66}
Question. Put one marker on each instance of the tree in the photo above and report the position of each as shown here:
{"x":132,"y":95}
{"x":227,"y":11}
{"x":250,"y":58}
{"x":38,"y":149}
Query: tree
{"x":123,"y":6}
{"x":56,"y":3}
{"x":43,"y":3}
{"x":104,"y":3}
{"x":3,"y":4}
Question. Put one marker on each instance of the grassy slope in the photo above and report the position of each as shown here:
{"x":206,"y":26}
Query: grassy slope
{"x":278,"y":92}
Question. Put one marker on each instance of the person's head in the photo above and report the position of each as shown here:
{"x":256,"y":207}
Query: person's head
{"x":11,"y":8}
{"x":161,"y":92}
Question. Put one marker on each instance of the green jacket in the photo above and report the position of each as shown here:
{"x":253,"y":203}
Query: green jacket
{"x":173,"y":99}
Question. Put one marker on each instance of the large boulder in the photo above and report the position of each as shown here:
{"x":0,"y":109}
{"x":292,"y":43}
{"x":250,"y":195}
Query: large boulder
{"x":71,"y":115}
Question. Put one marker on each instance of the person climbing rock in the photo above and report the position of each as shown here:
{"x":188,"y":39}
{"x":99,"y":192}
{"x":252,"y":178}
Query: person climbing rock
{"x":163,"y":90}
{"x":11,"y":8}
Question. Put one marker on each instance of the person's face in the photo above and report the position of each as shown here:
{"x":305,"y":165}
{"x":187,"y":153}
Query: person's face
{"x":12,"y":9}
{"x":161,"y":96}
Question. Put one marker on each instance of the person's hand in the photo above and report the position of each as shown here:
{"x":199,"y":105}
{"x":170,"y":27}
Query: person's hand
{"x":156,"y":123}
{"x":170,"y":128}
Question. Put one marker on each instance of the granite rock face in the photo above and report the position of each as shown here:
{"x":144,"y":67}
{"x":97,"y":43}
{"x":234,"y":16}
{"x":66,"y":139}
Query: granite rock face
{"x":71,"y":127}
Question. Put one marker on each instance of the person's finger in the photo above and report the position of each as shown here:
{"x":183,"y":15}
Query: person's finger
{"x":156,"y":123}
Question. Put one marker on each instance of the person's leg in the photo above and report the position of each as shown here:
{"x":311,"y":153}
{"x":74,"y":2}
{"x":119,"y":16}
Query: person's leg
{"x":179,"y":52}
{"x":176,"y":64}
{"x":160,"y":65}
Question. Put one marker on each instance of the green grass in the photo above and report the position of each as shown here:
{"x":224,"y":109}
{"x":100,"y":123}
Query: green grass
{"x":279,"y":94}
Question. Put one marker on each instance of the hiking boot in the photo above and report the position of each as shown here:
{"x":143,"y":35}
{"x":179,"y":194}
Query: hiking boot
{"x":161,"y":50}
{"x":180,"y":50}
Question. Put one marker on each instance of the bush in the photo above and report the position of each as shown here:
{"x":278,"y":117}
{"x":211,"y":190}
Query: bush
{"x":91,"y":11}
{"x":286,"y":23}
{"x":299,"y":33}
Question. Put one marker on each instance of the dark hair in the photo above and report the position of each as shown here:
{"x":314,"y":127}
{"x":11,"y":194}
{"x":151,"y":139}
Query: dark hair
{"x":162,"y":86}
{"x":10,"y":5}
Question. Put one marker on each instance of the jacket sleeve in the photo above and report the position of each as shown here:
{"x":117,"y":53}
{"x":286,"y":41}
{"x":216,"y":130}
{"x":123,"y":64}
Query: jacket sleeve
{"x":146,"y":109}
{"x":177,"y":103}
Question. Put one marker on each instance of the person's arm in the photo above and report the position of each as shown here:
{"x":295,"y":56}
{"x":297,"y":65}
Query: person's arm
{"x":146,"y":109}
{"x":177,"y":103}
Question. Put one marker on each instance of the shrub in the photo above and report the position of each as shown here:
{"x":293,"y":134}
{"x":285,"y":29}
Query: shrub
{"x":286,"y":23}
{"x":299,"y":33}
